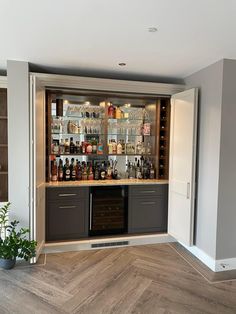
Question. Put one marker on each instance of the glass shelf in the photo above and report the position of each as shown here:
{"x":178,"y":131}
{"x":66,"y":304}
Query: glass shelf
{"x":76,"y":117}
{"x":103,"y":155}
{"x":98,"y":134}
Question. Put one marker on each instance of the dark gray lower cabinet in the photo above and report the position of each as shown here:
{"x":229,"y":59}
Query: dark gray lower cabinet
{"x":148,"y":206}
{"x":67,"y":213}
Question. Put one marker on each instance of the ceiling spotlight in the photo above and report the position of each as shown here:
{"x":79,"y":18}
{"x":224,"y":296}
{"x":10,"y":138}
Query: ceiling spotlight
{"x":152,"y":29}
{"x":66,"y":102}
{"x":122,"y":64}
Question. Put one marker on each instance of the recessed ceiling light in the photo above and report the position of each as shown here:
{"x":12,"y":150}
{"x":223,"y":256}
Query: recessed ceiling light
{"x":122,"y":64}
{"x":152,"y":29}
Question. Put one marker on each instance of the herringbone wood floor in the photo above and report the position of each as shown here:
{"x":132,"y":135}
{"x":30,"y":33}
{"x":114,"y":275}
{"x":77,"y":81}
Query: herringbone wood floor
{"x":143,"y":279}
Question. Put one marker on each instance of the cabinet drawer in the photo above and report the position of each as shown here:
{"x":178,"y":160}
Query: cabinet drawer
{"x":148,"y":190}
{"x":66,"y":194}
{"x":147,"y":215}
{"x":67,"y":221}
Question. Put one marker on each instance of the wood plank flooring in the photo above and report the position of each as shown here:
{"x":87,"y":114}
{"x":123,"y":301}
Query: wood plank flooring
{"x":143,"y":279}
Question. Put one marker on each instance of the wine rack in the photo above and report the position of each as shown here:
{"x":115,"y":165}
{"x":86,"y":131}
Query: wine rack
{"x":163,"y":138}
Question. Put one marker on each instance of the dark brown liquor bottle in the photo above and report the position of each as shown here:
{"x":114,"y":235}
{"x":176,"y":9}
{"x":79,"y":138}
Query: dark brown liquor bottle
{"x":72,"y":170}
{"x":72,"y":146}
{"x":84,"y":172}
{"x":60,"y":170}
{"x":67,"y":170}
{"x":90,"y":172}
{"x":54,"y":170}
{"x":79,"y":171}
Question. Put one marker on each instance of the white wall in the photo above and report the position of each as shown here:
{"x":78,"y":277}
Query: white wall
{"x":18,"y":139}
{"x":209,"y":82}
{"x":226,"y":220}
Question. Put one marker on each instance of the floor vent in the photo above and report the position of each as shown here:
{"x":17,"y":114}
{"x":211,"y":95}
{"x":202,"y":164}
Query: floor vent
{"x":107,"y":244}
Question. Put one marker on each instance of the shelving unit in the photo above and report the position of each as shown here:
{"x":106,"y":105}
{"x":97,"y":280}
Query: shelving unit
{"x":89,"y":115}
{"x":163,"y":138}
{"x":3,"y":146}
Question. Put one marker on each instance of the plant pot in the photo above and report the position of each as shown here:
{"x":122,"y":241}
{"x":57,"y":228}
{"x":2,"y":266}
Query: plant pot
{"x":7,"y":263}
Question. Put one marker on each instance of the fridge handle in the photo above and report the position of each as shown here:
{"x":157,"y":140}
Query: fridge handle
{"x":90,"y":210}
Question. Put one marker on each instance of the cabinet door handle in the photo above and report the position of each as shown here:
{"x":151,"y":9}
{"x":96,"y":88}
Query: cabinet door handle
{"x":148,"y":203}
{"x":188,"y":190}
{"x":72,"y":206}
{"x":67,"y":194}
{"x":90,"y":210}
{"x":146,"y":192}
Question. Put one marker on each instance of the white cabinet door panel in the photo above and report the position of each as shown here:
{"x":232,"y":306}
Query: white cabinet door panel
{"x":182,"y":166}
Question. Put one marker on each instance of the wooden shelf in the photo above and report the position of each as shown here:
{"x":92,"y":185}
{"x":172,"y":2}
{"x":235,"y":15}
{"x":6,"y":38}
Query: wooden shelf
{"x":3,"y":145}
{"x":3,"y":172}
{"x":3,"y":117}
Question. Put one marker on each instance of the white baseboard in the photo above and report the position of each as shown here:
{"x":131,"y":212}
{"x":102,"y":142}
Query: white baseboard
{"x":225,"y":264}
{"x":58,"y":247}
{"x":214,"y":265}
{"x":202,"y":256}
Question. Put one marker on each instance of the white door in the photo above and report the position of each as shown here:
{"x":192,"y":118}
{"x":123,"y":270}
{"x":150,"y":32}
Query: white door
{"x":37,"y":164}
{"x":183,"y":132}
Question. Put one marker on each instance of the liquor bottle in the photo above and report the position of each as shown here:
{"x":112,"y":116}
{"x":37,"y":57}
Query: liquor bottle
{"x":103,"y":172}
{"x":77,"y":147}
{"x":94,"y":146}
{"x":56,"y":147}
{"x":67,"y":170}
{"x":109,"y":171}
{"x":111,"y":111}
{"x":90,"y":172}
{"x":132,"y":171}
{"x":139,"y":148}
{"x":89,"y":148}
{"x":73,"y":170}
{"x":119,"y":148}
{"x":151,"y":172}
{"x":110,"y":148}
{"x":84,"y":172}
{"x":60,"y":170}
{"x":118,"y":113}
{"x":114,"y":147}
{"x":79,"y":171}
{"x":148,"y":149}
{"x":100,"y":148}
{"x":62,"y":147}
{"x":138,"y":171}
{"x":54,"y":171}
{"x":67,"y":146}
{"x":83,"y":148}
{"x":97,"y":172}
{"x":72,"y":146}
{"x":123,"y":146}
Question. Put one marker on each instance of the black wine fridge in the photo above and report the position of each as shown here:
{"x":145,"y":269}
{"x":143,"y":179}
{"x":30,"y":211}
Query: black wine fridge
{"x":108,"y":210}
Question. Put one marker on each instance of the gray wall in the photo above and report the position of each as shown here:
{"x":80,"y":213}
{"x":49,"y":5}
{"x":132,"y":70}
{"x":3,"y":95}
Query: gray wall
{"x":18,"y":139}
{"x":209,"y":82}
{"x":226,"y":221}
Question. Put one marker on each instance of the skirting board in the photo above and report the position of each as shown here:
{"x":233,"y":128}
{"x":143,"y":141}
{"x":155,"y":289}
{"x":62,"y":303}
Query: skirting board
{"x":214,"y":265}
{"x":59,"y":247}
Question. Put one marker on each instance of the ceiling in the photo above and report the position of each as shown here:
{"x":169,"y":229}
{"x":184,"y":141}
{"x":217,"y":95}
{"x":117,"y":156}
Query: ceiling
{"x":93,"y":36}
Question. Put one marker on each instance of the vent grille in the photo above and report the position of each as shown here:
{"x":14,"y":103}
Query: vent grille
{"x":107,"y":244}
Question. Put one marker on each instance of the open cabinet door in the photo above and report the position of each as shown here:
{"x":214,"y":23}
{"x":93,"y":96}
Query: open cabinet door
{"x":37,"y":164}
{"x":183,"y":131}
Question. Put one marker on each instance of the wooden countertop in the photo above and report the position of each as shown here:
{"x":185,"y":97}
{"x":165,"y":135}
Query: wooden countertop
{"x":105,"y":182}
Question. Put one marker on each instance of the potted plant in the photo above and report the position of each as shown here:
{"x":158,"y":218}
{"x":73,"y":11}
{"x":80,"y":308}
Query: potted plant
{"x":13,"y":241}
